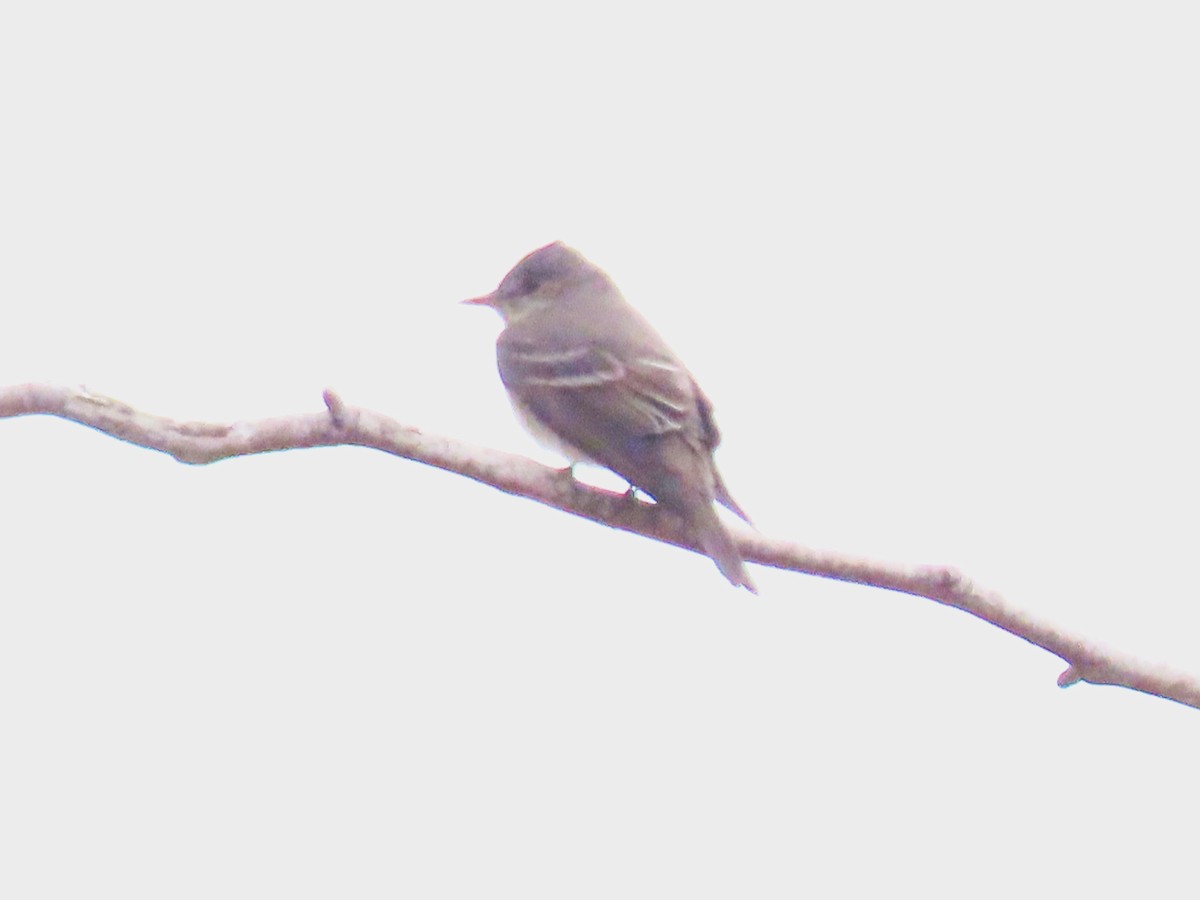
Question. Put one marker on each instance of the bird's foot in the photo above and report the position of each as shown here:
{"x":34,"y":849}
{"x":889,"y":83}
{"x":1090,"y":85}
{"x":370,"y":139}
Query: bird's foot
{"x":631,"y":496}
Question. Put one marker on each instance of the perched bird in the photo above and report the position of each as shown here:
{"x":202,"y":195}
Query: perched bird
{"x":589,"y":377}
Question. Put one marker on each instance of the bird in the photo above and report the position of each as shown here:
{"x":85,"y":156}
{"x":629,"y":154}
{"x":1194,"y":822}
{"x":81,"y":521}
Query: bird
{"x":590,"y":378}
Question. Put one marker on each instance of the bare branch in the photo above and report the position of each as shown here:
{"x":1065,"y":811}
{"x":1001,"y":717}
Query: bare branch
{"x":200,"y":443}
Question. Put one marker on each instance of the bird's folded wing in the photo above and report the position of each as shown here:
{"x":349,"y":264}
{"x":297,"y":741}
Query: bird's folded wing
{"x":587,"y":393}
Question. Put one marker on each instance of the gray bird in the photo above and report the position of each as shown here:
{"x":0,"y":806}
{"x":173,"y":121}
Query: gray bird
{"x":590,"y":378}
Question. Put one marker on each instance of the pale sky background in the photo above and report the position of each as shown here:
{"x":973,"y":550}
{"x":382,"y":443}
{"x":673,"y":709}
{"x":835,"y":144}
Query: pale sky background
{"x":936,"y":265}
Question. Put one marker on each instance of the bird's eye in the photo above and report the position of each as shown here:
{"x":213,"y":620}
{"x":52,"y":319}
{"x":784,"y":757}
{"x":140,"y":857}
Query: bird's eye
{"x":527,"y":279}
{"x":518,"y":284}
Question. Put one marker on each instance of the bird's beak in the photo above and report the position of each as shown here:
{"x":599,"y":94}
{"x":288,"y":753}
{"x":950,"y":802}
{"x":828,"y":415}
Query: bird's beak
{"x":485,"y":300}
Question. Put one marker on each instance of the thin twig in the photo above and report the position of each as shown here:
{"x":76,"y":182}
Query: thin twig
{"x":202,"y":443}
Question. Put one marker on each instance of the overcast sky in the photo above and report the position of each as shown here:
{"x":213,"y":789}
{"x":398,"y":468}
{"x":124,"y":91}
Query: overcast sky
{"x":935,"y":264}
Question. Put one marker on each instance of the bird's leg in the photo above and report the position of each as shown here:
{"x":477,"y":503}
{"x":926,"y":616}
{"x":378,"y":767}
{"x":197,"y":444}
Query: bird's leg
{"x":567,"y":475}
{"x":631,"y":496}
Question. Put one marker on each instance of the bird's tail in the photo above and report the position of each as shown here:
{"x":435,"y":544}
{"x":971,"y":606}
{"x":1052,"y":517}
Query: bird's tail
{"x":720,"y":546}
{"x":726,"y":499}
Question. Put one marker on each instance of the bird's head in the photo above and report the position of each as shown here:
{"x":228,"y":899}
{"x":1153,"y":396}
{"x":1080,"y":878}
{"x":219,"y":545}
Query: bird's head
{"x":537,"y":281}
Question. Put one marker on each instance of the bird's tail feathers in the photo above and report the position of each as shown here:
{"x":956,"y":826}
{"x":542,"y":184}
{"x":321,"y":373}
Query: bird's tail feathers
{"x":721,"y":547}
{"x":726,"y":499}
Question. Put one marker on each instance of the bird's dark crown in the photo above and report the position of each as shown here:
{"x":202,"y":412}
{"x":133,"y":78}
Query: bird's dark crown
{"x":553,"y":263}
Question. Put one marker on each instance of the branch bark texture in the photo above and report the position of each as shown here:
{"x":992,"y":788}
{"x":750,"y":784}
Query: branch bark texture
{"x":199,"y":443}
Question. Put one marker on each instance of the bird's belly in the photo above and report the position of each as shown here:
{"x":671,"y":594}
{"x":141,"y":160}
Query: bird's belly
{"x":545,"y":436}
